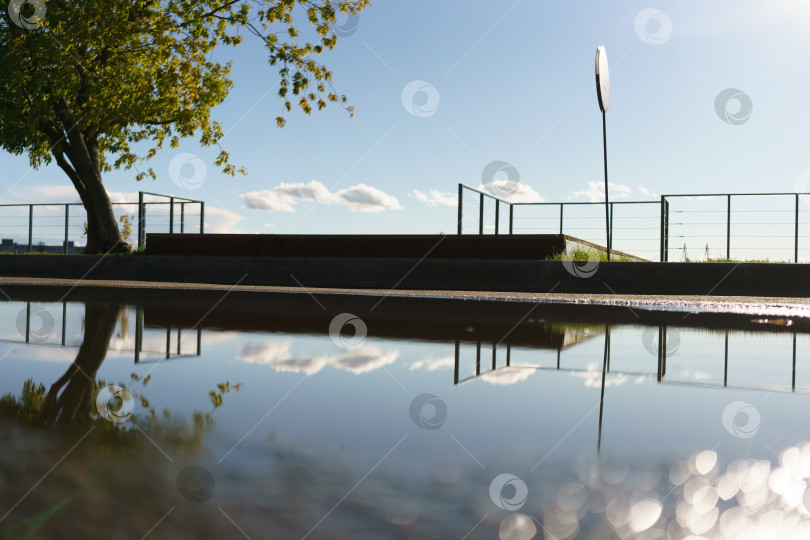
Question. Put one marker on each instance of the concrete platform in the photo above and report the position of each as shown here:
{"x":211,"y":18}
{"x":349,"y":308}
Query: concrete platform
{"x":379,"y":246}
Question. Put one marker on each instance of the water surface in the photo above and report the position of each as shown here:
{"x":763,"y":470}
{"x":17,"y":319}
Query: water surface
{"x":126,"y":422}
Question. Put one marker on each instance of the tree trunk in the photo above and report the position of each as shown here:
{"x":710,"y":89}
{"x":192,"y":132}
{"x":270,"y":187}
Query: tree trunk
{"x":103,"y":235}
{"x":81,"y":148}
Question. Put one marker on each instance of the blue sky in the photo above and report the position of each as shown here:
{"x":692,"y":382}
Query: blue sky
{"x":509,"y":81}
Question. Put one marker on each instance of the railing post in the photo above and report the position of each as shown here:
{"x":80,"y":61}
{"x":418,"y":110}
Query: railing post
{"x":796,"y":232}
{"x":661,"y":352}
{"x":666,"y":228}
{"x":182,"y":217}
{"x":27,"y":322}
{"x":138,"y":333}
{"x":481,"y":214}
{"x":460,"y":203}
{"x":793,"y":385}
{"x":661,"y":256}
{"x":141,"y":220}
{"x":67,"y":213}
{"x":728,"y":226}
{"x":171,"y":215}
{"x":561,"y":218}
{"x":64,"y":321}
{"x":30,"y":228}
{"x":202,"y":217}
{"x":497,"y":214}
{"x":455,"y":369}
{"x":511,"y":216}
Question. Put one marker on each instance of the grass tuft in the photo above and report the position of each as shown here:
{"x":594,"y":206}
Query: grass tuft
{"x":583,"y":254}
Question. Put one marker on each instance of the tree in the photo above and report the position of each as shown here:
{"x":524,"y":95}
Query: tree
{"x":99,"y":85}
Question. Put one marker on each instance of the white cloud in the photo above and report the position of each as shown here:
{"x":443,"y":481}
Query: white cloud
{"x":221,"y":221}
{"x":39,"y":194}
{"x":311,"y":192}
{"x":266,"y":200}
{"x":521,"y":192}
{"x":284,"y":197}
{"x":596,"y":192}
{"x":647,"y":193}
{"x":67,"y":194}
{"x":363,"y":198}
{"x":278,"y":355}
{"x":435,"y":198}
{"x":431,"y":364}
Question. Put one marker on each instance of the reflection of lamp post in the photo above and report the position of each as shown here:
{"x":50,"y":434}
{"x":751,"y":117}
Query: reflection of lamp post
{"x":603,"y":93}
{"x":602,"y":398}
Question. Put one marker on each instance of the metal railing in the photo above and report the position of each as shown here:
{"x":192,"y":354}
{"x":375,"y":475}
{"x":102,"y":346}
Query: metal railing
{"x":172,"y":201}
{"x":649,"y":234}
{"x":41,"y":225}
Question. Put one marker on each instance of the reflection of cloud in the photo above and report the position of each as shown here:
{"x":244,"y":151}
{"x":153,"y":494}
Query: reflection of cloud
{"x":507,"y":375}
{"x":39,"y":353}
{"x":277,"y":354}
{"x":154,"y":342}
{"x":593,"y":377}
{"x":434,"y":364}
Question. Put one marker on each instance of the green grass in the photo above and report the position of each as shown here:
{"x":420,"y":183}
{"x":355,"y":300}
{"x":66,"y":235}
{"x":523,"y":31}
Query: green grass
{"x":582,"y":254}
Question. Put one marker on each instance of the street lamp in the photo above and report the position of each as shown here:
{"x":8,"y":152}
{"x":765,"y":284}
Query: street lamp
{"x":603,"y":94}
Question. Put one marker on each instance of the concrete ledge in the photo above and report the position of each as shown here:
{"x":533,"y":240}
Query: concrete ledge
{"x":522,"y":317}
{"x":719,"y":279}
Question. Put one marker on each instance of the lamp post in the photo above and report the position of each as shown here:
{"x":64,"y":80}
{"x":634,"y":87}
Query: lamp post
{"x":603,"y":94}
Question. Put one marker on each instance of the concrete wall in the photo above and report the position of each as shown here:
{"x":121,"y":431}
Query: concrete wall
{"x":744,"y":279}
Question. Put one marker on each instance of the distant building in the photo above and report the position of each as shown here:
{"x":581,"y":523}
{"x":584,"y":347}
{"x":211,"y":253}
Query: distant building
{"x":8,"y":245}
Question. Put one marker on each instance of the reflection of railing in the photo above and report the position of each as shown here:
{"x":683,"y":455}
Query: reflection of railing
{"x":478,"y":360}
{"x":21,"y":220}
{"x":139,"y":339}
{"x":139,"y":326}
{"x":660,"y":374}
{"x":709,"y":220}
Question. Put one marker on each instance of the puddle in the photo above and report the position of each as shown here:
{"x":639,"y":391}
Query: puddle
{"x":142,"y":422}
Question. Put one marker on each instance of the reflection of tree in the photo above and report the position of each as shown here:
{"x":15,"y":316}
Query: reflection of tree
{"x":71,"y":400}
{"x":76,"y":399}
